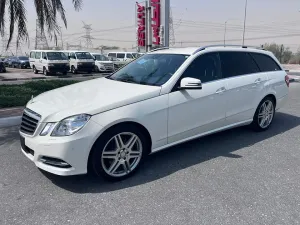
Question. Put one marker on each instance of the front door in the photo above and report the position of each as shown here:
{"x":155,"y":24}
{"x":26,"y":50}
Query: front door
{"x":194,"y":112}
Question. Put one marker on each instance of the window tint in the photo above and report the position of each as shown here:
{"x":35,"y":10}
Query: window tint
{"x":237,"y":63}
{"x":112,"y":54}
{"x":72,"y":55}
{"x":32,"y":54}
{"x":265,"y":63}
{"x":43,"y":55}
{"x":206,"y":68}
{"x":129,"y":56}
{"x":38,"y":55}
{"x":121,"y":55}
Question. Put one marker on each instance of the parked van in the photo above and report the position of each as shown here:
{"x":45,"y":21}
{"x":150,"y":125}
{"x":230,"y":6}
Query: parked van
{"x":102,"y":63}
{"x":49,"y":62}
{"x":80,"y":61}
{"x":122,"y":56}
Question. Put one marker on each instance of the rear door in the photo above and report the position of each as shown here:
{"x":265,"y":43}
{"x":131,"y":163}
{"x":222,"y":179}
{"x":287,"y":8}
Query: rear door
{"x":275,"y":74}
{"x":244,"y":85}
{"x":38,"y":61}
{"x":121,"y":56}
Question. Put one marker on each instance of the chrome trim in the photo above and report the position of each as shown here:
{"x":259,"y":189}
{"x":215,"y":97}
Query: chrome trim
{"x":32,"y":114}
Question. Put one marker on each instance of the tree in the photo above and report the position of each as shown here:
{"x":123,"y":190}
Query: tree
{"x":46,"y":11}
{"x":282,"y":53}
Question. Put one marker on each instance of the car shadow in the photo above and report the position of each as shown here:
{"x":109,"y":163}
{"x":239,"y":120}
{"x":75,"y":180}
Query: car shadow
{"x":169,"y":161}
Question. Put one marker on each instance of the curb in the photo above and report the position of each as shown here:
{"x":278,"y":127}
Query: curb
{"x":10,"y":121}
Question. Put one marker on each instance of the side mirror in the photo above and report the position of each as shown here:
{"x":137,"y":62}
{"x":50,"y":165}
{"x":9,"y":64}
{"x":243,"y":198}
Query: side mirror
{"x":69,"y":57}
{"x":45,"y":58}
{"x":190,"y":83}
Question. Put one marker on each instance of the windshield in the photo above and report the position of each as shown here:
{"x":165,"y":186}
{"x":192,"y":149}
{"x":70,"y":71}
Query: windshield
{"x":101,"y":57}
{"x":150,"y":69}
{"x":83,"y":55}
{"x":56,"y":56}
{"x":23,"y":58}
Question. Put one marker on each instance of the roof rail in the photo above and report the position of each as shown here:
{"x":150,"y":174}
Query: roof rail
{"x":219,"y":45}
{"x":157,"y":49}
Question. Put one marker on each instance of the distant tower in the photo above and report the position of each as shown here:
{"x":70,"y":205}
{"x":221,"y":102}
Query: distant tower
{"x":88,"y":38}
{"x":171,"y":27}
{"x":40,"y":38}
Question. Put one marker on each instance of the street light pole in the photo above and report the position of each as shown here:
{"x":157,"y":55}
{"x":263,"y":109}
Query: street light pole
{"x":225,"y":32}
{"x":245,"y":18}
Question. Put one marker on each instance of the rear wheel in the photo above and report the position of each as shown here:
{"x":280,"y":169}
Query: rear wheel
{"x":35,"y":71}
{"x":118,"y":153}
{"x":264,"y":114}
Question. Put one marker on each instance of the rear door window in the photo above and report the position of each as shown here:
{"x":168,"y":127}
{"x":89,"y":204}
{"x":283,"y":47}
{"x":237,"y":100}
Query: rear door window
{"x":38,"y":55}
{"x":112,"y":55}
{"x":120,"y":55}
{"x":129,"y":56}
{"x":265,"y":62}
{"x":237,"y":64}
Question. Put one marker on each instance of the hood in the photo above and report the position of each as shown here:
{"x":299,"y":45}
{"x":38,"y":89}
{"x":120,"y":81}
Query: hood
{"x":91,"y":97}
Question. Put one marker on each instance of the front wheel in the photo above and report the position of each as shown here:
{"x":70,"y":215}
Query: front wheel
{"x":264,"y":115}
{"x":118,"y":153}
{"x":73,"y":70}
{"x":45,"y":72}
{"x":35,"y":71}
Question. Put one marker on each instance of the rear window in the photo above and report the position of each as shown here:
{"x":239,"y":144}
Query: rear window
{"x":237,"y":63}
{"x":265,"y":62}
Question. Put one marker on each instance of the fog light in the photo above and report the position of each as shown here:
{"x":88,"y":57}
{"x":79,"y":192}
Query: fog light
{"x":55,"y":162}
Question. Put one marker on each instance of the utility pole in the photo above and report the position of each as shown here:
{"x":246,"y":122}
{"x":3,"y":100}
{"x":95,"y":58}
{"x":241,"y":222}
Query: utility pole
{"x":225,"y":32}
{"x":245,"y":18}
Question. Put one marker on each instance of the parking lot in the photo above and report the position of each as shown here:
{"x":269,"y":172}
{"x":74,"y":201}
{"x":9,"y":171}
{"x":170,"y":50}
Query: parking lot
{"x":234,"y":177}
{"x":22,"y":75}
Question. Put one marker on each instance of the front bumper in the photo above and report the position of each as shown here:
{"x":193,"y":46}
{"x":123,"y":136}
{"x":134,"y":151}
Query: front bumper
{"x":88,"y":67}
{"x":74,"y":149}
{"x":58,"y":68}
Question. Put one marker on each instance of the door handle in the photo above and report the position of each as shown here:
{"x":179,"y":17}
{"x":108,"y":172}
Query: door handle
{"x":257,"y":81}
{"x":220,"y":90}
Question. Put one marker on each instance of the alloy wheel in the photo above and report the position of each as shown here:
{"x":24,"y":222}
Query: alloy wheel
{"x":121,"y":154}
{"x":266,"y":114}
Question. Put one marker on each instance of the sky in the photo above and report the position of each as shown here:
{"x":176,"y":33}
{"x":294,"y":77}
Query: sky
{"x":195,"y":22}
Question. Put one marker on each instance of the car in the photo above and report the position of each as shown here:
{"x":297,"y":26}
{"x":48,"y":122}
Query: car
{"x":49,"y":62}
{"x":102,"y":63}
{"x":2,"y":67}
{"x":20,"y":62}
{"x":122,"y":56}
{"x":108,"y":126}
{"x":8,"y":61}
{"x":80,"y":61}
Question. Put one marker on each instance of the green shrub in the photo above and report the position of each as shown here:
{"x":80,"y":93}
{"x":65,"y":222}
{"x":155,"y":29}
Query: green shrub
{"x":19,"y":95}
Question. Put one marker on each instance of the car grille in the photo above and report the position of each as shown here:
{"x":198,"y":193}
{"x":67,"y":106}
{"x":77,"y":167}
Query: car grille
{"x":118,"y":66}
{"x":30,"y":121}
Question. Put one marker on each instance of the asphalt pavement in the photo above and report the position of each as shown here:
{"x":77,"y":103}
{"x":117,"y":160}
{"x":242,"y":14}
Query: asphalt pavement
{"x":234,"y":177}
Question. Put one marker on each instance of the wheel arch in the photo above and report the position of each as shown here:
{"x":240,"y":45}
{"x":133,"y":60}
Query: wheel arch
{"x":122,"y":123}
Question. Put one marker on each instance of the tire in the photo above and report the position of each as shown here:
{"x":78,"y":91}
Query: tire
{"x":45,"y":72}
{"x":111,"y":164}
{"x":262,"y":115}
{"x":35,"y":71}
{"x":73,"y":70}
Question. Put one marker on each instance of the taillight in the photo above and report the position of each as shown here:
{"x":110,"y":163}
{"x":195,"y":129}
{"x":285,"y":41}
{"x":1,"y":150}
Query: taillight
{"x":287,"y":80}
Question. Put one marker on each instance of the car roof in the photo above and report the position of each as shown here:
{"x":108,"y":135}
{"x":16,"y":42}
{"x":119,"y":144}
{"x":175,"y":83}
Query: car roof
{"x":193,"y":50}
{"x":45,"y":50}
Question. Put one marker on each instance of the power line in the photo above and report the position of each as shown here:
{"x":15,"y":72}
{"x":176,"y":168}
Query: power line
{"x":253,"y":38}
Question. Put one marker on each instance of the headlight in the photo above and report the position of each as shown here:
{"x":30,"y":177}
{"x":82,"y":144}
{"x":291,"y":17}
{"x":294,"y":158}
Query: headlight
{"x":50,"y":64}
{"x":79,"y":63}
{"x":70,"y":125}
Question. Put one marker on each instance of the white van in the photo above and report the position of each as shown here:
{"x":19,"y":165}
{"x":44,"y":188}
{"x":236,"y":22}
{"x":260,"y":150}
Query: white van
{"x":102,"y":63}
{"x":80,"y":61}
{"x":122,"y":56}
{"x":49,"y":62}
